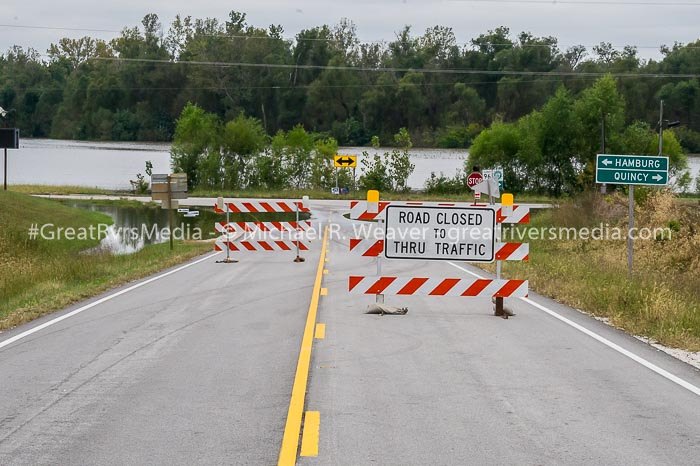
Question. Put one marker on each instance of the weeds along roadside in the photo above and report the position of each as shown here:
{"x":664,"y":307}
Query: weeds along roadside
{"x":40,"y":276}
{"x":661,"y":301}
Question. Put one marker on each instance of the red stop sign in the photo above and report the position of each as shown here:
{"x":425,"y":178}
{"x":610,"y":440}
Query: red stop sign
{"x":474,"y":178}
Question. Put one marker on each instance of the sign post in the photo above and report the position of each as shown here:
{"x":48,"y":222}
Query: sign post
{"x":473,"y":179}
{"x":344,"y":161}
{"x":305,"y":200}
{"x":373,"y":207}
{"x":168,"y":188}
{"x":631,"y":170}
{"x":221,"y":206}
{"x":9,"y":139}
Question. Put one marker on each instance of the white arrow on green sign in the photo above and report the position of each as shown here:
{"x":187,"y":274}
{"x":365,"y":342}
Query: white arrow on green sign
{"x":632,"y":169}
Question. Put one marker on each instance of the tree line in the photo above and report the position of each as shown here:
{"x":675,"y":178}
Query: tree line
{"x":238,"y":154}
{"x":553,"y":149}
{"x":135,"y":86}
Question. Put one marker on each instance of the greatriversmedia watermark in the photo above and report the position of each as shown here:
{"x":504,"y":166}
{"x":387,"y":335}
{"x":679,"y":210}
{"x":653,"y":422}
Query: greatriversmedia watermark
{"x":154,"y":233}
{"x":601,"y":232}
{"x":98,"y":232}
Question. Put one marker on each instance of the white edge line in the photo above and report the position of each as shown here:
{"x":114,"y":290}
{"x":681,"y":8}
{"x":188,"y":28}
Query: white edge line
{"x":32,"y":330}
{"x":638,"y":359}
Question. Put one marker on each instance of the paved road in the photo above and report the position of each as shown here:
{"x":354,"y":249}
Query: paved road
{"x":193,"y":368}
{"x":197,"y":368}
{"x":449,"y":383}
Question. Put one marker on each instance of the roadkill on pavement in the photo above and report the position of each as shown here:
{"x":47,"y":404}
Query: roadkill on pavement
{"x":382,"y":310}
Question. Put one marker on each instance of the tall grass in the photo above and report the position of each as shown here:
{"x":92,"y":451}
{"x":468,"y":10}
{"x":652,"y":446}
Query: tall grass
{"x":38,"y":276}
{"x":661,"y":300}
{"x":62,"y":189}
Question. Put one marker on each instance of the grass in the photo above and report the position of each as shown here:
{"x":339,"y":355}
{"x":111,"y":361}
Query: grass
{"x":50,"y":189}
{"x":40,"y":276}
{"x":662,"y":299}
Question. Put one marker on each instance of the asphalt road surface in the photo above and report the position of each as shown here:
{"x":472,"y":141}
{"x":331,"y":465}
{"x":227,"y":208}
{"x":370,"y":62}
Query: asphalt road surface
{"x":197,"y":367}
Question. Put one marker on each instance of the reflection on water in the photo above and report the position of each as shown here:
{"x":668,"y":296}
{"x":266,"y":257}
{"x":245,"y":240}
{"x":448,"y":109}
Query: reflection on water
{"x":116,"y":242}
{"x":138,"y":225}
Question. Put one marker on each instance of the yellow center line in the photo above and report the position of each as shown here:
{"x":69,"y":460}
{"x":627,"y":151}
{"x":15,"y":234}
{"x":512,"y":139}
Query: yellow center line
{"x":320,"y":331}
{"x":292,"y":428}
{"x":309,"y":440}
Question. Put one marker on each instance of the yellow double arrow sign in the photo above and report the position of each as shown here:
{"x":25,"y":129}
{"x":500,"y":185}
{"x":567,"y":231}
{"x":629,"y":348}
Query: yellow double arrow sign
{"x":345,"y":161}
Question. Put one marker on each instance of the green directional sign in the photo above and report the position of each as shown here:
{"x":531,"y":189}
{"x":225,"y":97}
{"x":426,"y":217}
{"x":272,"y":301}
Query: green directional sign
{"x":632,"y":169}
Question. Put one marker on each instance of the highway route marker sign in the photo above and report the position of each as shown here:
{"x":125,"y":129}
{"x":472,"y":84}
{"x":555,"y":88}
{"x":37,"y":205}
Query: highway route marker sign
{"x":644,"y":170}
{"x":496,"y":174}
{"x":345,"y":161}
{"x":440,"y":233}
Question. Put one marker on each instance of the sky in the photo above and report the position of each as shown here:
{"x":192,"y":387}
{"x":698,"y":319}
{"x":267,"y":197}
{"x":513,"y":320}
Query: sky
{"x":586,"y":22}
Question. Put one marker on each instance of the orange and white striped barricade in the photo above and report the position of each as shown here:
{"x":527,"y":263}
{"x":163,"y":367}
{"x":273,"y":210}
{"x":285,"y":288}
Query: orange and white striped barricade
{"x":254,"y":227}
{"x":513,"y":214}
{"x":262,"y":235}
{"x":440,"y":221}
{"x":512,"y":252}
{"x":222,"y":244}
{"x":465,"y":287}
{"x":509,"y":215}
{"x":262,"y":207}
{"x":504,"y":251}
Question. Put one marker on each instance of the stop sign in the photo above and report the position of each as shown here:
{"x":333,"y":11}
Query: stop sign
{"x":474,"y":178}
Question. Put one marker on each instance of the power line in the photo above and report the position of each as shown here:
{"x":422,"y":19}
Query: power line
{"x":57,"y":28}
{"x":398,"y":70}
{"x":330,"y":39}
{"x":306,"y":86}
{"x":222,"y":35}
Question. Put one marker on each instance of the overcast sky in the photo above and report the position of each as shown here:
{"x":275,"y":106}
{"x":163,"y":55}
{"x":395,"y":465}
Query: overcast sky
{"x":646,"y":26}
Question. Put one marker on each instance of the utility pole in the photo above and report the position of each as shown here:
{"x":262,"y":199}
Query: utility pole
{"x":661,"y":129}
{"x":603,"y":187}
{"x":602,"y":133}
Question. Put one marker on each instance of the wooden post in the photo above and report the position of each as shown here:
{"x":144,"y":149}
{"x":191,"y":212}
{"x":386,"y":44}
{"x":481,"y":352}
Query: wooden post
{"x":170,"y":212}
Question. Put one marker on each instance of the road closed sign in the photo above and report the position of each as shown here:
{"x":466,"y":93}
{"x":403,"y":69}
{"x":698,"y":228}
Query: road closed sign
{"x":440,"y":233}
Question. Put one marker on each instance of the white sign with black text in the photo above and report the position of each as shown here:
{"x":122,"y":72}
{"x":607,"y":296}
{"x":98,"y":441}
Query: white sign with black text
{"x":440,"y":233}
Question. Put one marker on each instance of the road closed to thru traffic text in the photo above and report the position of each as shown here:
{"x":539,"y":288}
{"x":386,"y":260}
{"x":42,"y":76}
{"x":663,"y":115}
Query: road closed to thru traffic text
{"x":440,"y":233}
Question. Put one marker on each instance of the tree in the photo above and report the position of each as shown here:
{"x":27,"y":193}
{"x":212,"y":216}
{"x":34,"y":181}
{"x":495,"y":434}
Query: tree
{"x":599,"y":104}
{"x":241,"y":140}
{"x":197,"y":140}
{"x":562,"y":144}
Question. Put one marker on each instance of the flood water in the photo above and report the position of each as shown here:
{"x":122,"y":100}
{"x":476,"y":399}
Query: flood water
{"x":137,"y":225}
{"x":111,"y":165}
